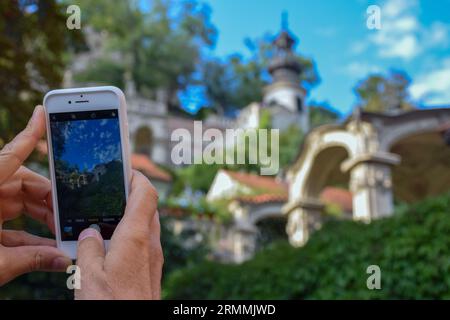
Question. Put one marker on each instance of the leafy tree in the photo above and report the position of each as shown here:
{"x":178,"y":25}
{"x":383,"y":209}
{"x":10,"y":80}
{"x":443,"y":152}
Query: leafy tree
{"x":379,"y":93}
{"x":33,"y":41}
{"x":235,"y":82}
{"x":321,"y":113}
{"x":176,"y":255}
{"x":290,"y":141}
{"x":159,"y":47}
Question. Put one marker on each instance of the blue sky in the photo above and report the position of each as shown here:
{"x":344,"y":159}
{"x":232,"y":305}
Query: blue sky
{"x":414,"y":37}
{"x":90,"y":142}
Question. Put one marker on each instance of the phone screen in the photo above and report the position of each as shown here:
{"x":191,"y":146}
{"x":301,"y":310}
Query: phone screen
{"x":89,"y":172}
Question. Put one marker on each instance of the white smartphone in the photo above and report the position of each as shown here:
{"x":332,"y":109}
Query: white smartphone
{"x":89,"y":161}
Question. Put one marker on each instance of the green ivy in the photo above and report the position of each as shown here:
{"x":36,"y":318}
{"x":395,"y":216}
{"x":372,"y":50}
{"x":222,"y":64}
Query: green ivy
{"x":412,"y":248}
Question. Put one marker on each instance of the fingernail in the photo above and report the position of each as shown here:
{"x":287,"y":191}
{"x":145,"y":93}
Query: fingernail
{"x":33,"y":116}
{"x":61,"y":263}
{"x":89,"y":232}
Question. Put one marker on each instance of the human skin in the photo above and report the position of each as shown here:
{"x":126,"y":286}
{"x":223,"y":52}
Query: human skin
{"x":25,"y":192}
{"x":132,"y":267}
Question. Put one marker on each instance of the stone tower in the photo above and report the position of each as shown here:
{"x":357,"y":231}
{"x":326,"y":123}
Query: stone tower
{"x":285,"y":95}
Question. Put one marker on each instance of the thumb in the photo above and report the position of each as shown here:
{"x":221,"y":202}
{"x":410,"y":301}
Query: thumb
{"x":91,"y":251}
{"x":90,"y":259}
{"x":26,"y":259}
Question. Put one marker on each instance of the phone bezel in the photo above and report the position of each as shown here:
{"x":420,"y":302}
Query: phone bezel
{"x":96,"y":98}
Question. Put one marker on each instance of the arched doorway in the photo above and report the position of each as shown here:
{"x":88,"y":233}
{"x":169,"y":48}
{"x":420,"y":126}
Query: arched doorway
{"x":269,"y":230}
{"x":424,"y":168}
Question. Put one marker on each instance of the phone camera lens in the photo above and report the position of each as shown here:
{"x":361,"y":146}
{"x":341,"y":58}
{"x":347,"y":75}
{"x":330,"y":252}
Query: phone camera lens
{"x":81,"y":95}
{"x":70,"y":102}
{"x":93,"y":115}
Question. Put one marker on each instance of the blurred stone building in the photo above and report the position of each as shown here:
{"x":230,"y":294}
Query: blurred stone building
{"x":360,"y":164}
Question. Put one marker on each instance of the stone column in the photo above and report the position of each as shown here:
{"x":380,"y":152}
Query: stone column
{"x":371,"y":185}
{"x":304,"y":217}
{"x":244,"y":232}
{"x":244,"y":244}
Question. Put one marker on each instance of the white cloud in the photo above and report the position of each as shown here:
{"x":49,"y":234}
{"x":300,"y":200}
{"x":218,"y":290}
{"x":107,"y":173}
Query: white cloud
{"x":395,"y":7}
{"x":433,"y":87}
{"x":402,"y":35}
{"x":405,"y":47}
{"x":359,"y":70}
{"x":398,"y":36}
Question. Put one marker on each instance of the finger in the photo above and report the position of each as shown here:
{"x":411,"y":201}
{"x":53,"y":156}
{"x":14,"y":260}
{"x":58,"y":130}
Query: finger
{"x":15,"y":153}
{"x":91,"y":251}
{"x":13,"y":238}
{"x":156,"y":256}
{"x":28,"y":182}
{"x":11,"y":208}
{"x":20,"y":260}
{"x":141,"y":204}
{"x":38,"y":210}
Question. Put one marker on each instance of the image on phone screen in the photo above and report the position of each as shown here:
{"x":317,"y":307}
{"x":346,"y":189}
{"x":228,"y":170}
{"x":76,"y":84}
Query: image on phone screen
{"x":89,"y":172}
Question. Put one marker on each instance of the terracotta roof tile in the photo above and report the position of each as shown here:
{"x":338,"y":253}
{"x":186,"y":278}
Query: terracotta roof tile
{"x":263,"y":198}
{"x":269,"y":184}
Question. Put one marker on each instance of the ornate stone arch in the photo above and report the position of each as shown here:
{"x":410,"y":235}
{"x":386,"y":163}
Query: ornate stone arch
{"x":351,"y":149}
{"x":368,"y":139}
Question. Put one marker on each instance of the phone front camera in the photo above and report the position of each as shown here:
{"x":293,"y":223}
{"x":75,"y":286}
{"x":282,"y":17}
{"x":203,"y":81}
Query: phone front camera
{"x":93,"y":115}
{"x":70,"y":102}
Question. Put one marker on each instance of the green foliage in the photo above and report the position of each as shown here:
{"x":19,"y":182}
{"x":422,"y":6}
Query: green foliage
{"x":32,"y":58}
{"x":199,"y":207}
{"x":412,"y":249}
{"x":270,"y":230}
{"x":321,"y":113}
{"x":235,"y":82}
{"x":265,"y":120}
{"x":290,"y":142}
{"x":176,"y":255}
{"x":35,"y":285}
{"x":45,"y":285}
{"x":379,"y":93}
{"x":105,"y":72}
{"x":159,"y":47}
{"x":198,"y":176}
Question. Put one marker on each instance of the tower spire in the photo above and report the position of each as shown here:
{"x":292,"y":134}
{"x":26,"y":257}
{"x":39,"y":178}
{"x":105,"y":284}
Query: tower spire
{"x":286,"y":90}
{"x":284,"y":21}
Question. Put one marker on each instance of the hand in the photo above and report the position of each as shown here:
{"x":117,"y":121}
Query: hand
{"x":132,"y":267}
{"x":22,"y":190}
